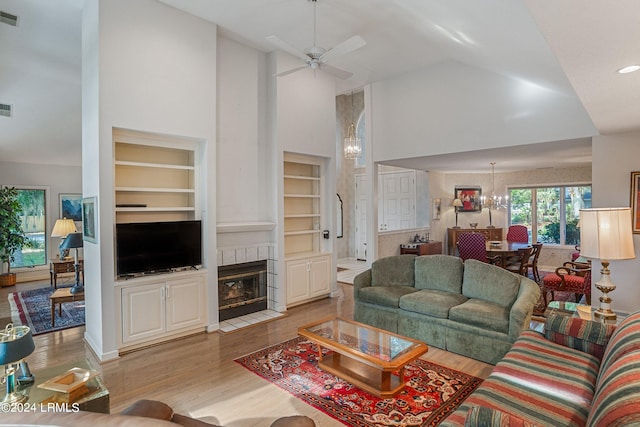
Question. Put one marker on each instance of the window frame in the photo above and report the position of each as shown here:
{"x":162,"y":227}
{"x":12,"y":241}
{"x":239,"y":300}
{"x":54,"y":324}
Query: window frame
{"x":47,"y":238}
{"x":534,"y":209}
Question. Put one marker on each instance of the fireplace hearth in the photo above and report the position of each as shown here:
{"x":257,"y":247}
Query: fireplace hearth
{"x":242,"y":289}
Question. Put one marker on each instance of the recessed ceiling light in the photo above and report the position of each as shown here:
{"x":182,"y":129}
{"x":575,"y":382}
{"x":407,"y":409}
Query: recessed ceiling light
{"x":629,"y":69}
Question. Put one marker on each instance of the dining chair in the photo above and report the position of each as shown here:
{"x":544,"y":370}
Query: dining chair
{"x":532,"y":263}
{"x":518,"y":262}
{"x":518,"y":233}
{"x":571,"y":277}
{"x":474,"y":246}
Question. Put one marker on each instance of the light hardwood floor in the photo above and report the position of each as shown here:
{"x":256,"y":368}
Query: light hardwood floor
{"x":197,"y":375}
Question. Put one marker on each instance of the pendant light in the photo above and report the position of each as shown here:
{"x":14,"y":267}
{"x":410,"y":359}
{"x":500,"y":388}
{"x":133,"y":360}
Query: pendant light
{"x":352,"y":144}
{"x":494,"y":201}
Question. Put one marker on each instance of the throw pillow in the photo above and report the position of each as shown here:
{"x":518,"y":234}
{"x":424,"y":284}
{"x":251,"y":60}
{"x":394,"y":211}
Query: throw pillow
{"x":573,"y":332}
{"x":480,"y":416}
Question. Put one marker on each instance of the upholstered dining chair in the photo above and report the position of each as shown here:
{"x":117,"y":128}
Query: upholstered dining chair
{"x":571,"y":277}
{"x":474,"y":246}
{"x":518,"y":233}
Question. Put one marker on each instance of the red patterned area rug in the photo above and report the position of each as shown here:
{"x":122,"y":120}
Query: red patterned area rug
{"x":431,"y":393}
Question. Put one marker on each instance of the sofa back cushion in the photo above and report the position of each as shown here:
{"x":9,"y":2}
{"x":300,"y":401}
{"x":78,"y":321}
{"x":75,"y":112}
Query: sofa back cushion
{"x":490,"y":283}
{"x":439,"y":272}
{"x":625,"y":339}
{"x":393,"y":271}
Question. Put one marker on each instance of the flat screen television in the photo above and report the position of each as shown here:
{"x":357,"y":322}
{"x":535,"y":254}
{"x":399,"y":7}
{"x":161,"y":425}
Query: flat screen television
{"x":150,"y":247}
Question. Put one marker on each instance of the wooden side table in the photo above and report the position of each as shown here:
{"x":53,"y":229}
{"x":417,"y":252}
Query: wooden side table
{"x":60,"y":296}
{"x":61,"y":266}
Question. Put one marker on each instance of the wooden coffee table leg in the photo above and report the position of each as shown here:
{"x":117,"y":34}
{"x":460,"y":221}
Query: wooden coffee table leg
{"x":53,"y":313}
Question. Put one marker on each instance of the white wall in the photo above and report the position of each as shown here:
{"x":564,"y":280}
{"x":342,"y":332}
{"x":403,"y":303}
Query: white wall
{"x":146,"y":67}
{"x":245,"y":189}
{"x":614,"y":158}
{"x":453,"y":107}
{"x":56,"y":180}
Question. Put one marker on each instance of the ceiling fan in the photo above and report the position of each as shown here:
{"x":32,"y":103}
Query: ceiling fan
{"x":317,"y":57}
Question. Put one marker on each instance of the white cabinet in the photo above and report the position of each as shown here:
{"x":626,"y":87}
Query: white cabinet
{"x":308,"y":278}
{"x":154,"y":309}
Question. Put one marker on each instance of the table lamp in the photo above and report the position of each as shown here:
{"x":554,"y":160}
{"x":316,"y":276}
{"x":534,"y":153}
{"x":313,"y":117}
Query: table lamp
{"x":605,"y":234}
{"x":456,"y":204}
{"x":16,"y":343}
{"x":74,"y":241}
{"x":62,"y":228}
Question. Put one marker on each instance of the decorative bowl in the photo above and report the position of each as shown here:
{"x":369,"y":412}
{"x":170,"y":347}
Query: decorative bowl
{"x":473,"y":224}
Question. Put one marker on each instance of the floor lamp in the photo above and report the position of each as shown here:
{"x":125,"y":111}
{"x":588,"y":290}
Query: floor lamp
{"x":606,"y":234}
{"x":74,"y":241}
{"x":457,"y":203}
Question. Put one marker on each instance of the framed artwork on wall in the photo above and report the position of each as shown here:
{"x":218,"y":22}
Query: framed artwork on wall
{"x":71,"y":206}
{"x":470,"y":197}
{"x":635,"y":202}
{"x":89,"y":219}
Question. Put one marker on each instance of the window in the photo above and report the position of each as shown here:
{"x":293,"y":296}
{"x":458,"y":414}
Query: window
{"x":551,"y":213}
{"x":33,"y":218}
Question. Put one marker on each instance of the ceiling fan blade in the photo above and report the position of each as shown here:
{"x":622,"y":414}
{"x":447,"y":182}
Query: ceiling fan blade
{"x":349,"y":45}
{"x":337,"y":72}
{"x":283,"y":45}
{"x":291,"y":71}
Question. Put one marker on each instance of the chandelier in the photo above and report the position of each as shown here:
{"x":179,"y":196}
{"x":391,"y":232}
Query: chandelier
{"x":494,"y":201}
{"x":352,"y":144}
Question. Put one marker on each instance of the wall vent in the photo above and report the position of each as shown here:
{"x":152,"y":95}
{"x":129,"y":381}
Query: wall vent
{"x":8,"y":18}
{"x":5,"y":110}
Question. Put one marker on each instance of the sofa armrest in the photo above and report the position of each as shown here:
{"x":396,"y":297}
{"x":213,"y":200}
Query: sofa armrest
{"x":149,"y":409}
{"x":580,"y":334}
{"x":522,"y":308}
{"x":362,"y":280}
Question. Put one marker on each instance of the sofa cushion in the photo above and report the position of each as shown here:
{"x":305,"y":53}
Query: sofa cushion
{"x":479,"y":416}
{"x":625,"y":339}
{"x":387,"y":296}
{"x":617,"y":398}
{"x":584,"y":335}
{"x":431,"y":302}
{"x":393,"y":271}
{"x":539,"y":381}
{"x":441,"y":272}
{"x":490,"y":283}
{"x":483,"y":314}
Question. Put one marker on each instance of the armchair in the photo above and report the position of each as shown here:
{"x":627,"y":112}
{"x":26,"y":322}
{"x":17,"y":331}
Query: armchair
{"x":571,"y":277}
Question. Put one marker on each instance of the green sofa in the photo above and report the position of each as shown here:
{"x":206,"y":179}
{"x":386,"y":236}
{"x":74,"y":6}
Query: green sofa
{"x":471,"y":308}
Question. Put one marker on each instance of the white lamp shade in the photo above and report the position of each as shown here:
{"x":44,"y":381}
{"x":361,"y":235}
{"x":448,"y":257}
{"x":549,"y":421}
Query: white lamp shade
{"x":605,"y":233}
{"x":457,"y":203}
{"x":63,"y":227}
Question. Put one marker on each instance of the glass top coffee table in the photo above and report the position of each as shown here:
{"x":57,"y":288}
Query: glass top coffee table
{"x":368,"y":357}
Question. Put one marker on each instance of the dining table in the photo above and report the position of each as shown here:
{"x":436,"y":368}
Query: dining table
{"x":504,"y":249}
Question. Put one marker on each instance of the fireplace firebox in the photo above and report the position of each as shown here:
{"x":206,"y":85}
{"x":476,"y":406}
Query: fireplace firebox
{"x":242,"y":289}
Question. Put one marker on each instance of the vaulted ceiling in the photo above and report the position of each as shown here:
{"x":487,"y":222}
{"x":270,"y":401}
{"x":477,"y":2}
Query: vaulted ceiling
{"x":570,"y":46}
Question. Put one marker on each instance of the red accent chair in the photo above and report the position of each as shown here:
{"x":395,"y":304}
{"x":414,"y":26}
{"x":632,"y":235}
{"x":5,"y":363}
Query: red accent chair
{"x":474,"y":246}
{"x":571,"y":277}
{"x":518,"y":233}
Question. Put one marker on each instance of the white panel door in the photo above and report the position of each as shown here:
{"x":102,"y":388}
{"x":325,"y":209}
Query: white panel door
{"x":361,"y":217}
{"x":319,"y":274}
{"x":297,"y":280}
{"x":398,"y":201}
{"x":143,"y":313}
{"x":185,"y":303}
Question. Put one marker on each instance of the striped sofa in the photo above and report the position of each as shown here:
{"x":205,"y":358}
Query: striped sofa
{"x":578,"y":373}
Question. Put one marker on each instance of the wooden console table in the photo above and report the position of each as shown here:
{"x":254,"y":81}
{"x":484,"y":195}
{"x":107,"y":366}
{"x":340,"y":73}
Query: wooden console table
{"x":428,"y":248}
{"x":60,"y":266}
{"x":452,"y":236}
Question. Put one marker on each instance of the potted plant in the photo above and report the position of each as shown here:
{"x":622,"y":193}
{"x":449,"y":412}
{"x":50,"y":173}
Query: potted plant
{"x":12,"y":237}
